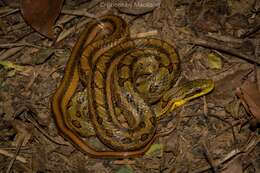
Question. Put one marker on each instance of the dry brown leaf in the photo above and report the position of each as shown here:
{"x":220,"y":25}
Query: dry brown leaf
{"x":41,"y":15}
{"x":250,"y":96}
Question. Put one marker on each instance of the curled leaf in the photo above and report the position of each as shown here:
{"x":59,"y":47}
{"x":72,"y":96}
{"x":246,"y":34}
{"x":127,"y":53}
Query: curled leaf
{"x":41,"y":15}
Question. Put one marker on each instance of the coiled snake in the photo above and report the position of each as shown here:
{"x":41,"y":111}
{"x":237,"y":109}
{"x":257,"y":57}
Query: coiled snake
{"x":128,"y":87}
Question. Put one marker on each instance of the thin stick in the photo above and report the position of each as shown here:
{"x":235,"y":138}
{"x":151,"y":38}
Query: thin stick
{"x":19,"y":44}
{"x":79,"y":26}
{"x":8,"y":154}
{"x":10,"y":12}
{"x":145,"y":34}
{"x":67,"y":18}
{"x":31,"y":120}
{"x":10,"y":52}
{"x":233,"y":154}
{"x":15,"y":155}
{"x":73,"y":29}
{"x":251,"y":31}
{"x":209,"y":159}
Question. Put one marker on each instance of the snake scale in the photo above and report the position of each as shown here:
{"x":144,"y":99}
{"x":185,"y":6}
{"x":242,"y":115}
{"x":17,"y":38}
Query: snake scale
{"x":128,"y":85}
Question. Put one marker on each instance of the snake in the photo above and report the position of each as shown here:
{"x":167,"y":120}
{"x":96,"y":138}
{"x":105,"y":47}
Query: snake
{"x":128,"y":87}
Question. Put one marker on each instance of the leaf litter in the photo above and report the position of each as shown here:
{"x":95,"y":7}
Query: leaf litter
{"x":221,"y":29}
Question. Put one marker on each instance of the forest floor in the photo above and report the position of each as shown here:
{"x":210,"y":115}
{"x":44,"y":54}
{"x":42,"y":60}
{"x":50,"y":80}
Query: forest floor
{"x":215,"y":39}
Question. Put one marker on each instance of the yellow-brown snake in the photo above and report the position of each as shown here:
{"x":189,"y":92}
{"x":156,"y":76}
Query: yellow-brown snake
{"x":129,"y":87}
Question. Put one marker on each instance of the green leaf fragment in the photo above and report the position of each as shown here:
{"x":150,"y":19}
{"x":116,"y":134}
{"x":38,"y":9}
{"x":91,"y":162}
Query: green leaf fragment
{"x":155,"y":150}
{"x":125,"y":169}
{"x":10,"y":65}
{"x":214,"y":61}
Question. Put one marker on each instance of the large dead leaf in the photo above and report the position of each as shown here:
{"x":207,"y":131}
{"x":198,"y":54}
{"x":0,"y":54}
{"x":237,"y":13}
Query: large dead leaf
{"x":250,"y":97}
{"x":41,"y":15}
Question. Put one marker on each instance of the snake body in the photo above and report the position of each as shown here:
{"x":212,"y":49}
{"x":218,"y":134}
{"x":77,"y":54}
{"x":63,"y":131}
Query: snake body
{"x":128,"y":85}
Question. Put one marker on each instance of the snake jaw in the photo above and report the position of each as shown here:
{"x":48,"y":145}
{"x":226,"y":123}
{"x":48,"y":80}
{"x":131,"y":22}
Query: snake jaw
{"x":177,"y":104}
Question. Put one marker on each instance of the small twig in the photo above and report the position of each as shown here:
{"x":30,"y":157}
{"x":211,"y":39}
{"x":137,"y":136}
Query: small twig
{"x":19,"y":44}
{"x":124,"y":162}
{"x":18,"y":26}
{"x":10,"y":52}
{"x":225,"y":38}
{"x":15,"y":155}
{"x":233,"y":154}
{"x":225,"y":59}
{"x":209,"y":159}
{"x":173,"y":127}
{"x":63,"y":20}
{"x":8,"y":154}
{"x":31,"y":120}
{"x":251,"y":31}
{"x":224,"y":48}
{"x":236,"y":123}
{"x":230,"y":125}
{"x":33,"y":78}
{"x":145,"y":34}
{"x":205,"y":106}
{"x":10,"y":12}
{"x":67,"y":18}
{"x":4,"y":9}
{"x":77,"y":27}
{"x":202,"y":12}
{"x":73,"y":29}
{"x":189,"y":53}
